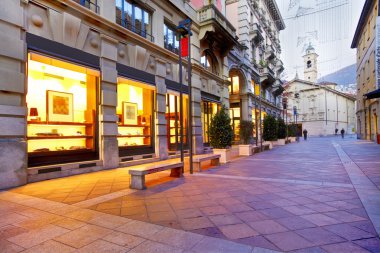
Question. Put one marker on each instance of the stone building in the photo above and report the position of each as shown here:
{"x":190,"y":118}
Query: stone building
{"x":366,"y":42}
{"x":320,"y":107}
{"x":89,"y":85}
{"x":255,"y":68}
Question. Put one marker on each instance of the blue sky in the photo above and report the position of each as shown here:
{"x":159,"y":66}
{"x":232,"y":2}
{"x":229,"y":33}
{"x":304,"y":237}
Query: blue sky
{"x":329,"y":25}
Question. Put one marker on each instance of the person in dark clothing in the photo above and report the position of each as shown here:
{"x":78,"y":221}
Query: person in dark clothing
{"x":305,"y":134}
{"x":336,"y":131}
{"x":342,"y":133}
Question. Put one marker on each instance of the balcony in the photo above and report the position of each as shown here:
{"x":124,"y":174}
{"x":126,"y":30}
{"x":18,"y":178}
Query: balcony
{"x":216,"y":29}
{"x":266,"y":75}
{"x":277,"y":87}
{"x":279,"y":67}
{"x":256,"y":32}
{"x":270,"y":52}
{"x":89,"y":4}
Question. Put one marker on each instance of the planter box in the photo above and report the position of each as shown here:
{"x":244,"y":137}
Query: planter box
{"x":270,"y":144}
{"x":280,"y":142}
{"x":287,"y":141}
{"x":245,"y":150}
{"x":225,"y":154}
{"x":292,"y":139}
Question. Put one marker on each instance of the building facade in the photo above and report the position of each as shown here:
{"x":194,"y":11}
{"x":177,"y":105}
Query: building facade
{"x":89,"y":85}
{"x":318,"y":107}
{"x":366,"y":41}
{"x":255,"y":67}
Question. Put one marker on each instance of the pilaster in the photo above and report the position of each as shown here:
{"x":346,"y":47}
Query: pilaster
{"x":161,"y":132}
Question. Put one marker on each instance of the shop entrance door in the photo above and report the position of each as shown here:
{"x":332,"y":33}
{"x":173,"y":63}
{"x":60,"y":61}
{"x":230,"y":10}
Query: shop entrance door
{"x":173,"y":121}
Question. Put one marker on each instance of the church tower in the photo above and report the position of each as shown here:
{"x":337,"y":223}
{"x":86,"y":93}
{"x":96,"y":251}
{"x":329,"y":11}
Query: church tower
{"x":310,"y":63}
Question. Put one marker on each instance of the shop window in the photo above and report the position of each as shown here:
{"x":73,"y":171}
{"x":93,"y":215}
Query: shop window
{"x":235,"y":120}
{"x":234,"y":87}
{"x":173,"y":121}
{"x":135,"y":102}
{"x":170,"y":41}
{"x":134,"y":18}
{"x":208,"y":110}
{"x":62,"y":102}
{"x":90,"y":4}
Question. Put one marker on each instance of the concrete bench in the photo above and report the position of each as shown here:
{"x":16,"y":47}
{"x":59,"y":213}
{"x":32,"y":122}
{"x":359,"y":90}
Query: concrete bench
{"x":138,"y":172}
{"x":256,"y":149}
{"x":198,"y":159}
{"x":266,"y":146}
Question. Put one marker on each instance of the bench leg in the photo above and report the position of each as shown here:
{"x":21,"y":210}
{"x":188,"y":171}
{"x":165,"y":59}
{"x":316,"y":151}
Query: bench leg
{"x":215,"y":162}
{"x":176,"y":172}
{"x":137,"y":182}
{"x":197,"y":167}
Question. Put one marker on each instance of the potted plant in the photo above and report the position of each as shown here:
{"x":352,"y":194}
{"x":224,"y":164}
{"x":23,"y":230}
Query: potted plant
{"x":246,"y":133}
{"x":221,"y":134}
{"x":270,"y":130}
{"x":292,"y":130}
{"x":281,"y":133}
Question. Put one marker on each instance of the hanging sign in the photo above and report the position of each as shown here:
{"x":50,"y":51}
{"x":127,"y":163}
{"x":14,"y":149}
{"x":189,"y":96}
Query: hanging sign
{"x":185,"y":46}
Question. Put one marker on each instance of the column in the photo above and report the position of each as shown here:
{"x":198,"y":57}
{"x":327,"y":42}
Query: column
{"x":197,"y":120}
{"x":13,"y":112}
{"x":161,"y":132}
{"x":109,"y":150}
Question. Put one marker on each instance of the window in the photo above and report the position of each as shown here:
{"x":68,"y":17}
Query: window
{"x":308,"y":64}
{"x":173,"y":116}
{"x":235,"y":85}
{"x":170,"y":40}
{"x":90,"y":4}
{"x":134,"y":109}
{"x":62,"y":102}
{"x":208,"y":110}
{"x":209,"y":62}
{"x":134,"y":18}
{"x":235,"y":120}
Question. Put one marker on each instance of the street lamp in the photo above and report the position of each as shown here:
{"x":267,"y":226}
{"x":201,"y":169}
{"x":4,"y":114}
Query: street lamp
{"x":295,"y":117}
{"x":184,"y":29}
{"x":285,"y":106}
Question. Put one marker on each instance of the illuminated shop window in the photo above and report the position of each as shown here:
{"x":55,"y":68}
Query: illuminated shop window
{"x":135,"y":103}
{"x":235,"y":120}
{"x":208,"y":110}
{"x":61,"y":103}
{"x":233,"y":88}
{"x":173,"y":120}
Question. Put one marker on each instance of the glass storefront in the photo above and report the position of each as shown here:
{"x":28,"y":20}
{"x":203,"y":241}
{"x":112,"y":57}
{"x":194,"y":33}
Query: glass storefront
{"x":173,"y":120}
{"x":235,"y":121}
{"x":135,"y":103}
{"x":62,"y":115}
{"x":208,"y":110}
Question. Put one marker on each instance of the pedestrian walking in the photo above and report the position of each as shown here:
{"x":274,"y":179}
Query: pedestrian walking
{"x":336,"y":131}
{"x":305,"y":134}
{"x":342,"y":133}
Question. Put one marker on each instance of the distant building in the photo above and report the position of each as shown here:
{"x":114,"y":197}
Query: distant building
{"x":366,"y":41}
{"x":320,"y":108}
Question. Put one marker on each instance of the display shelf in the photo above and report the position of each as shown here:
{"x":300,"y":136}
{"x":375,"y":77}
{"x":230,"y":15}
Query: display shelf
{"x":59,"y":137}
{"x":142,"y":136}
{"x":59,"y":123}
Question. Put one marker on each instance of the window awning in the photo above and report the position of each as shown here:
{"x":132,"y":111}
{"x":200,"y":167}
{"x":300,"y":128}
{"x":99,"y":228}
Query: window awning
{"x":373,"y":94}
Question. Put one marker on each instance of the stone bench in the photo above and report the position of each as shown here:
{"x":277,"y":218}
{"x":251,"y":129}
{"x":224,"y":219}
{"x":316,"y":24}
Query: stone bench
{"x":266,"y":146}
{"x":256,"y":149}
{"x":138,"y":172}
{"x":198,"y":159}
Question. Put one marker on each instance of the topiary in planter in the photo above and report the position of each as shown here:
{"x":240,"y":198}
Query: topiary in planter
{"x":281,"y":129}
{"x":292,"y":130}
{"x":270,"y":128}
{"x":246,"y":131}
{"x":221,"y":133}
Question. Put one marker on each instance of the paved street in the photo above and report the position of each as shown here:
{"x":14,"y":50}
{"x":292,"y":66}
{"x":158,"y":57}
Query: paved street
{"x":322,"y":195}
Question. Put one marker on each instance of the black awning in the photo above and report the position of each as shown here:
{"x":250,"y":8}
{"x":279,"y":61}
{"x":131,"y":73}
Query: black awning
{"x":373,"y":94}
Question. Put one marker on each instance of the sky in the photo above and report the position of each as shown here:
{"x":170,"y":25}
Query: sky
{"x":329,"y":25}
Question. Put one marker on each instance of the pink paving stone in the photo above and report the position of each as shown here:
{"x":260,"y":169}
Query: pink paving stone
{"x":348,"y":232}
{"x":343,"y":205}
{"x":294,"y":223}
{"x":319,"y":236}
{"x":258,"y":205}
{"x":258,"y":241}
{"x":320,"y":219}
{"x":214,"y":210}
{"x":267,"y":227}
{"x":287,"y":241}
{"x":303,"y":200}
{"x":372,"y":244}
{"x":320,"y":207}
{"x":195,"y":223}
{"x":237,"y":231}
{"x":344,"y":247}
{"x":310,"y":250}
{"x":251,"y":216}
{"x":276,"y":213}
{"x":364,"y":225}
{"x":283,"y":202}
{"x":299,"y":210}
{"x":224,"y":219}
{"x":344,"y":216}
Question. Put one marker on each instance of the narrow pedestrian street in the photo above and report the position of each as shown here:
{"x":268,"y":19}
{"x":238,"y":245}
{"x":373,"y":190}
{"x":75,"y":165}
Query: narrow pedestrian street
{"x":320,"y":195}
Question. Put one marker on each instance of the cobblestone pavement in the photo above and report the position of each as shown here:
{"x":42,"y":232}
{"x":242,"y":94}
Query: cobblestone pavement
{"x":316,"y":196}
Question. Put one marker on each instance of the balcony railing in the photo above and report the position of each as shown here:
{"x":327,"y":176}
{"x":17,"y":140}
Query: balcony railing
{"x":257,"y":32}
{"x":89,"y":4}
{"x":210,"y":12}
{"x":129,"y":26}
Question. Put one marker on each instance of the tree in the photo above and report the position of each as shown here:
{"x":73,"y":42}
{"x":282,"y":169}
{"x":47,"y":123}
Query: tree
{"x":281,"y":129}
{"x":246,"y":131}
{"x":221,"y":133}
{"x":270,"y":128}
{"x":292,"y":130}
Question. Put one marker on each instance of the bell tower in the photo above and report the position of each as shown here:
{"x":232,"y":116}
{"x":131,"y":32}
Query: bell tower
{"x":310,"y":64}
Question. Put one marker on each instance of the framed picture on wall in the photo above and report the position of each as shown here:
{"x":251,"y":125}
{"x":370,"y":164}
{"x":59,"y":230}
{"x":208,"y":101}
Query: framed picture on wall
{"x":59,"y":106}
{"x":129,"y":113}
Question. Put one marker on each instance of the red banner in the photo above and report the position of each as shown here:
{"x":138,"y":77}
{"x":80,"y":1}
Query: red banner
{"x":185,"y":46}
